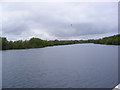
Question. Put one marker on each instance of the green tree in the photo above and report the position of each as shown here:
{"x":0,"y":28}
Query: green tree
{"x":36,"y":43}
{"x":4,"y":43}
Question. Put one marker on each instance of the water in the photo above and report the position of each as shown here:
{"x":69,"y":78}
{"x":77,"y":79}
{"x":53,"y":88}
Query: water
{"x":68,"y":66}
{"x":0,"y":69}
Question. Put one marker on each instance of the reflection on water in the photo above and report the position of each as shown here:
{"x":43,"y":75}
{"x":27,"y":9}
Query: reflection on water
{"x":76,"y":66}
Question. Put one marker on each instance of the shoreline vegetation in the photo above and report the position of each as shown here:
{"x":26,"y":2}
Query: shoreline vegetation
{"x":39,"y":43}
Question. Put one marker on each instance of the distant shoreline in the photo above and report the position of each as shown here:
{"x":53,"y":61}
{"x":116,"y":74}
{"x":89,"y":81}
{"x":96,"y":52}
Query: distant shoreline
{"x":39,"y":43}
{"x":55,"y":45}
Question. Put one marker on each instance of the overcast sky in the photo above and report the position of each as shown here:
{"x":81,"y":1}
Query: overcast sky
{"x":60,"y":20}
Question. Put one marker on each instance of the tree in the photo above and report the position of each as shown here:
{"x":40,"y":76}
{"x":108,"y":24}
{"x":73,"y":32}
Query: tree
{"x":36,"y":42}
{"x":4,"y":43}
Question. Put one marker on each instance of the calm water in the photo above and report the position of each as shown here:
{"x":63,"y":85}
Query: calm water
{"x":68,"y":66}
{"x":0,"y":69}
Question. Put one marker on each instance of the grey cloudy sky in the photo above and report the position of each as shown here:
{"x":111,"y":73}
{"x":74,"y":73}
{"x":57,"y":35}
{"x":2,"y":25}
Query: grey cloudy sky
{"x":50,"y":20}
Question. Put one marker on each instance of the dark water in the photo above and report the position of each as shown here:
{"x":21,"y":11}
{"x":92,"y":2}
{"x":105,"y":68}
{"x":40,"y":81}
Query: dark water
{"x":69,"y":66}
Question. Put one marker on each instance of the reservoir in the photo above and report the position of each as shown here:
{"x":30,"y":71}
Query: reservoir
{"x":67,"y":66}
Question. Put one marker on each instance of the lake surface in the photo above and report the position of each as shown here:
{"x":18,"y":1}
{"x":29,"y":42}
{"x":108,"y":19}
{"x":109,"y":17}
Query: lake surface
{"x":68,"y":66}
{"x":0,"y":69}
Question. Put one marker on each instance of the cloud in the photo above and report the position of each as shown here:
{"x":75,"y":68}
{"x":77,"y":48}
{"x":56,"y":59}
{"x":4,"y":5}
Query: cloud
{"x":53,"y":20}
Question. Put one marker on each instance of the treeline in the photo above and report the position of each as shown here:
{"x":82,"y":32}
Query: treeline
{"x":33,"y":43}
{"x":39,"y":43}
{"x":112,"y":40}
